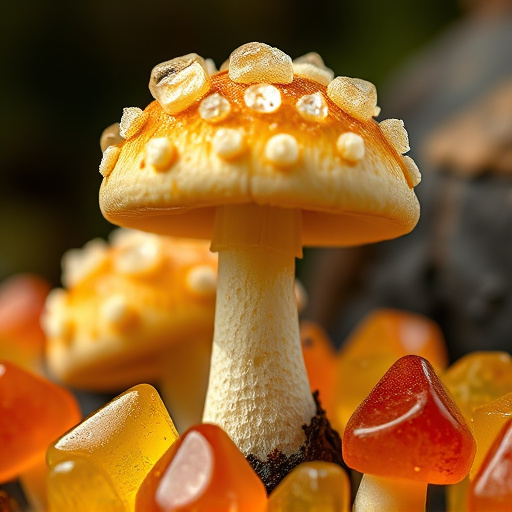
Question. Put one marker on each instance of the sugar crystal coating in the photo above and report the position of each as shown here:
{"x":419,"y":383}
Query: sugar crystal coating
{"x":413,"y":173}
{"x":110,"y":137}
{"x":132,"y":121}
{"x":264,"y":98}
{"x":228,"y":143}
{"x":351,"y":146}
{"x":214,"y":108}
{"x":410,"y":428}
{"x":179,"y":82}
{"x":282,"y":149}
{"x":312,"y":66}
{"x":395,"y":133}
{"x":160,"y":152}
{"x":312,"y":107}
{"x":357,"y":97}
{"x":259,"y":62}
{"x":109,"y":160}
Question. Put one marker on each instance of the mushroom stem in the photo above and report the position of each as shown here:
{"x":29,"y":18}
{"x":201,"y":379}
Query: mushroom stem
{"x":383,"y":494}
{"x":258,"y":389}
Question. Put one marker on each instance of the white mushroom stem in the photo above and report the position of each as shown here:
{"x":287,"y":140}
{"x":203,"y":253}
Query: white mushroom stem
{"x":383,"y":494}
{"x":258,"y":389}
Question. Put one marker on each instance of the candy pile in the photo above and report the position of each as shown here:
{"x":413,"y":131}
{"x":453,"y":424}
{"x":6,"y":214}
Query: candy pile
{"x":262,"y":157}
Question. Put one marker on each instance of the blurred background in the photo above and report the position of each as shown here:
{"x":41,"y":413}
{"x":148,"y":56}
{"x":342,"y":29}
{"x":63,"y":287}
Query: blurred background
{"x":69,"y":67}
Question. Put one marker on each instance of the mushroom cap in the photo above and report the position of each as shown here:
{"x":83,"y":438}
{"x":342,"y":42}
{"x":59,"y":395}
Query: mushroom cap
{"x":278,"y":144}
{"x":124,"y":305}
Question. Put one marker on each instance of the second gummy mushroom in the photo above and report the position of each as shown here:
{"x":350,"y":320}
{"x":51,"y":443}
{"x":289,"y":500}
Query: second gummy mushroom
{"x":263,"y":158}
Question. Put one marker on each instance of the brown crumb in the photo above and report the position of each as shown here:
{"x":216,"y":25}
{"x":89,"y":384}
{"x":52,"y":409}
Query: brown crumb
{"x":322,"y":443}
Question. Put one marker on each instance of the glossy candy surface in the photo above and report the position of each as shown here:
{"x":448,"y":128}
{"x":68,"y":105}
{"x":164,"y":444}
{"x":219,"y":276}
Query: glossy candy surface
{"x":119,"y":444}
{"x":380,"y":339}
{"x":312,"y":487}
{"x":488,"y":420}
{"x":33,"y":413}
{"x":491,"y":490}
{"x":409,"y":428}
{"x":203,"y":472}
{"x":320,"y":359}
{"x":478,"y":378}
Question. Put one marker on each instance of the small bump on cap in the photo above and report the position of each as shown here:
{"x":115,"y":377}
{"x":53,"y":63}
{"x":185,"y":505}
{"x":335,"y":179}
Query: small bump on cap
{"x":214,"y":108}
{"x":109,"y":160}
{"x":264,"y":98}
{"x":110,"y":137}
{"x":259,"y":62}
{"x":413,"y":173}
{"x":351,"y":146}
{"x":132,"y":122}
{"x":282,"y":150}
{"x":160,"y":152}
{"x":357,"y":97}
{"x":202,"y":280}
{"x":228,"y":143}
{"x":396,"y":134}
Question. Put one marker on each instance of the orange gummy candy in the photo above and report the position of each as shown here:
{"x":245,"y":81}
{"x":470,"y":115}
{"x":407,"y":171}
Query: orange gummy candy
{"x":33,"y":413}
{"x":202,"y":472}
{"x":380,"y":339}
{"x":491,"y":489}
{"x":320,"y":358}
{"x":410,"y":428}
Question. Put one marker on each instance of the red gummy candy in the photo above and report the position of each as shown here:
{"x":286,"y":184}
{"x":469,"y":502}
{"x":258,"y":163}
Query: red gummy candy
{"x":409,"y":427}
{"x":491,"y":489}
{"x":202,"y":472}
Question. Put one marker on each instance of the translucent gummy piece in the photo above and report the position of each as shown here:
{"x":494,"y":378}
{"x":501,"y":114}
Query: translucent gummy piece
{"x":132,"y":121}
{"x":178,"y":83}
{"x":123,"y":440}
{"x":80,"y":486}
{"x":413,"y":173}
{"x":110,"y":137}
{"x":357,"y":97}
{"x":259,"y":62}
{"x":79,"y":264}
{"x":312,"y":58}
{"x":313,"y":107}
{"x":396,"y":134}
{"x":263,"y":98}
{"x":311,"y":487}
{"x":214,"y":108}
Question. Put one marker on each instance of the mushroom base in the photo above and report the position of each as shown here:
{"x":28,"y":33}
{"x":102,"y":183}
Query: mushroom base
{"x":323,"y":443}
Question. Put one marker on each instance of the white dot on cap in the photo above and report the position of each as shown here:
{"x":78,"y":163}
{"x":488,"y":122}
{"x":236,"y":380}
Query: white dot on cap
{"x":202,"y":280}
{"x":282,"y":149}
{"x":228,"y":143}
{"x":214,"y":108}
{"x":351,"y":146}
{"x":160,"y":153}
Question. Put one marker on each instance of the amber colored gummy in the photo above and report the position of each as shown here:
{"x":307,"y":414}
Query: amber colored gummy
{"x":320,"y":359}
{"x":380,"y":339}
{"x":202,"y":472}
{"x":312,"y":487}
{"x":409,"y":427}
{"x":33,"y":413}
{"x":491,"y":490}
{"x":479,"y":378}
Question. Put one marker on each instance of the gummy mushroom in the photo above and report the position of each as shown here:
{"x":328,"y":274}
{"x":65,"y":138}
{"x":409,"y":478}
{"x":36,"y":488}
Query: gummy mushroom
{"x":263,"y":158}
{"x":137,"y":309}
{"x":406,"y":434}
